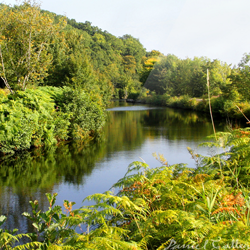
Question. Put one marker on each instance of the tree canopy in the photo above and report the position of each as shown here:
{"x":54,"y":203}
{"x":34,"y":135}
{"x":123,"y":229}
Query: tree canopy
{"x":25,"y":35}
{"x":38,"y":47}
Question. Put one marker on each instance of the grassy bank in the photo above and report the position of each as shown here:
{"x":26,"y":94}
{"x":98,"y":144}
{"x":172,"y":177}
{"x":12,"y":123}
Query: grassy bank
{"x":220,"y":104}
{"x":168,"y":207}
{"x":45,"y":116}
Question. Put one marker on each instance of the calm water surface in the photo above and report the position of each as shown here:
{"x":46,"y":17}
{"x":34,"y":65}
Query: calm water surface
{"x":74,"y":171}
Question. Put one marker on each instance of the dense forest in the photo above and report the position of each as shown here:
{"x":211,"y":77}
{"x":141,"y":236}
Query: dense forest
{"x":57,"y":77}
{"x":40,"y":48}
{"x":53,"y":50}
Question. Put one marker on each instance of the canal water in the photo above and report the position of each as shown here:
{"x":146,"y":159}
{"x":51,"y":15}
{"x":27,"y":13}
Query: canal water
{"x":76,"y":170}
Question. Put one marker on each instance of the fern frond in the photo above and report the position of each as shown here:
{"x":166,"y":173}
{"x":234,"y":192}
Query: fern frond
{"x":30,"y":245}
{"x":137,"y":166}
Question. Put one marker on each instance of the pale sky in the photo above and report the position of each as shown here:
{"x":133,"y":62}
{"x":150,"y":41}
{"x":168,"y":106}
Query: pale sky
{"x":217,"y":29}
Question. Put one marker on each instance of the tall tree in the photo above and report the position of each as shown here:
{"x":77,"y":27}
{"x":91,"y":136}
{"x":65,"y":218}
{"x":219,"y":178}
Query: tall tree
{"x":25,"y":34}
{"x":149,"y":61}
{"x":162,"y":77}
{"x":218,"y":75}
{"x":71,"y":64}
{"x":240,"y":78}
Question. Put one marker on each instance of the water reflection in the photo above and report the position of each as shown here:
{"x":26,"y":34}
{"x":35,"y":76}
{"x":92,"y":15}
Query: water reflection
{"x":28,"y":176}
{"x":75,"y":170}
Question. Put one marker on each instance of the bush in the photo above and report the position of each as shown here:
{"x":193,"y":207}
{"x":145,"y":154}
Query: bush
{"x":133,"y":96}
{"x":44,"y":116}
{"x":26,"y":120}
{"x":86,"y":111}
{"x":232,"y":109}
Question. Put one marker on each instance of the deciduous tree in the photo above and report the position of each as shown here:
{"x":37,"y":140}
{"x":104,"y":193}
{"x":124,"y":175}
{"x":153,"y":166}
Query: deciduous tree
{"x":25,"y":34}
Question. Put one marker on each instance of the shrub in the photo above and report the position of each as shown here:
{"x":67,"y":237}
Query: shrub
{"x":87,"y":115}
{"x":26,"y":120}
{"x":44,"y":116}
{"x":133,"y":96}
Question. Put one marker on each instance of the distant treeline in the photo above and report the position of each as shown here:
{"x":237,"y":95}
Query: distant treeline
{"x":189,"y":83}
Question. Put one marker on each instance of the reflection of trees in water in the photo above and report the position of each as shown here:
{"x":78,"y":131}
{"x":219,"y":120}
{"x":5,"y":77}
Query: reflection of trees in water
{"x":176,"y":124}
{"x":28,"y":176}
{"x":42,"y":169}
{"x":124,"y":130}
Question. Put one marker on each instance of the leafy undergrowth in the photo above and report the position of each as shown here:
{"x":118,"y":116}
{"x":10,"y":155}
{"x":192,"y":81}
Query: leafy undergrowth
{"x":48,"y":115}
{"x":169,"y":207}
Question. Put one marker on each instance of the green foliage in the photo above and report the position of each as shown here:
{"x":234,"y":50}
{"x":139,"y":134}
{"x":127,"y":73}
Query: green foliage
{"x":9,"y":238}
{"x":157,"y":208}
{"x":151,"y":97}
{"x":234,"y":161}
{"x":176,"y":77}
{"x":50,"y":225}
{"x":47,"y":115}
{"x":240,"y":78}
{"x":118,"y":60}
{"x":86,"y":111}
{"x":25,"y":36}
{"x":181,"y":102}
{"x":133,"y":96}
{"x":71,"y":64}
{"x":76,"y":55}
{"x":219,"y":104}
{"x":148,"y":64}
{"x":26,"y":120}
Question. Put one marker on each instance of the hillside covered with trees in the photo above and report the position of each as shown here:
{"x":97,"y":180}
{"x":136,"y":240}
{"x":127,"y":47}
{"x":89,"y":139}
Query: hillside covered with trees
{"x":58,"y":75}
{"x":44,"y":56}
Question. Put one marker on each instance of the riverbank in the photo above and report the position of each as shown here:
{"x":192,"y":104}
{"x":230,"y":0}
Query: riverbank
{"x":220,"y":105}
